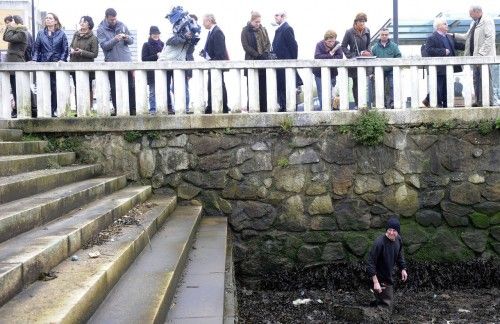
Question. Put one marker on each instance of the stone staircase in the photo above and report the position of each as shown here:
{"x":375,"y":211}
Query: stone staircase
{"x":57,"y":216}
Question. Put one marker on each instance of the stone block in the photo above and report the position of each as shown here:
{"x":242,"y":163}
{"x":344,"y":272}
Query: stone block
{"x":401,"y":199}
{"x":308,"y":253}
{"x":365,"y":183}
{"x":333,"y":252}
{"x":465,"y":193}
{"x":352,"y":215}
{"x":474,"y":239}
{"x":321,"y":205}
{"x":428,"y":217}
{"x":304,"y":156}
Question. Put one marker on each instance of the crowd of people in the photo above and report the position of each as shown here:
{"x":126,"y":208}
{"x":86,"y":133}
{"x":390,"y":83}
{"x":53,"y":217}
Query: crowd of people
{"x":114,"y":38}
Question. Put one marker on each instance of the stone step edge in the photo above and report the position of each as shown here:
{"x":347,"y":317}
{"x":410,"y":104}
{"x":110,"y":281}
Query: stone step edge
{"x":33,"y":162}
{"x":31,"y":186}
{"x":158,"y":306}
{"x":20,"y":147}
{"x":11,"y":135}
{"x":230,"y":290}
{"x":26,"y":272}
{"x":86,"y":296}
{"x":39,"y":213}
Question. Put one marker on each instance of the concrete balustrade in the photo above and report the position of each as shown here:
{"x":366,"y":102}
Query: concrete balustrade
{"x":408,"y":75}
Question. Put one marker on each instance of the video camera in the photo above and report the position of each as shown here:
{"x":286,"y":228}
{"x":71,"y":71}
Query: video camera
{"x":184,"y":24}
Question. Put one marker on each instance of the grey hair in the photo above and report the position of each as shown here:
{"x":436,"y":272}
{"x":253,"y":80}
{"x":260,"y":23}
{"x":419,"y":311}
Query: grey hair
{"x":476,"y":8}
{"x":438,"y":21}
{"x":211,"y":18}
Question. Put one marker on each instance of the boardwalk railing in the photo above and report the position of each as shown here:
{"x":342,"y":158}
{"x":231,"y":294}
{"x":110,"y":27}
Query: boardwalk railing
{"x":407,"y":75}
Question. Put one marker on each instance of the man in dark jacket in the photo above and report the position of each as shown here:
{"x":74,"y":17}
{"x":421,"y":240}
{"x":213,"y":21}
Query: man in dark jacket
{"x":16,"y":35}
{"x":440,"y":44}
{"x":215,"y":50}
{"x":285,"y":47}
{"x":356,"y":43}
{"x":114,"y":38}
{"x":386,"y":252}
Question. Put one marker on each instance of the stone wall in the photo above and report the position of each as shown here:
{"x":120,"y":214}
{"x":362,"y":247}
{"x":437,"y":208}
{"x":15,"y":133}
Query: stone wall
{"x":311,"y":195}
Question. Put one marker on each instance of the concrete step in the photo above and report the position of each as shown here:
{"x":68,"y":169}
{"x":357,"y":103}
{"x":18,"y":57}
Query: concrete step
{"x":201,"y":292}
{"x":11,"y":134}
{"x":145,"y":291}
{"x":24,"y":257}
{"x":81,"y":285}
{"x":15,"y":164}
{"x":30,"y":183}
{"x":18,"y":148}
{"x":25,"y":214}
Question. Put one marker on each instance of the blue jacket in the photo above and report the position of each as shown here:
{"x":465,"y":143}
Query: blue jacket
{"x":215,"y":45}
{"x":284,"y":43}
{"x":435,"y":47}
{"x":114,"y":50}
{"x":51,"y":48}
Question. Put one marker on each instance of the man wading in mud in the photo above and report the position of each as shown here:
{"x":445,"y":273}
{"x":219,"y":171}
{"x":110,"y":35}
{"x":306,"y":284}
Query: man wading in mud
{"x":387,"y":250}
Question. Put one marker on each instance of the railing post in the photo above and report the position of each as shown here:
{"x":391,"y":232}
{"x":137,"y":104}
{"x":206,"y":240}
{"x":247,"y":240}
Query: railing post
{"x":398,"y":101}
{"x":432,"y":85}
{"x":43,"y":103}
{"x":291,"y":89}
{"x":197,"y":87}
{"x":253,"y":90}
{"x":343,"y":85}
{"x":122,"y":104}
{"x":362,"y":87}
{"x":23,"y":100}
{"x":415,"y":94}
{"x":272,"y":92}
{"x":141,"y":92}
{"x":161,"y":94}
{"x":485,"y":85}
{"x":326,"y":89}
{"x":180,"y":92}
{"x":216,"y":79}
{"x":468,"y":85}
{"x":237,"y":92}
{"x":379,"y":87}
{"x":307,"y":88}
{"x":102,"y":94}
{"x":63,"y":93}
{"x":5,"y":106}
{"x":450,"y":88}
{"x":82,"y":94}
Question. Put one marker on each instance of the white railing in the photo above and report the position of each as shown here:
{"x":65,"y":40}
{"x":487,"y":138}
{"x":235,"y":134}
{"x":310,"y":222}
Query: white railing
{"x":407,"y":73}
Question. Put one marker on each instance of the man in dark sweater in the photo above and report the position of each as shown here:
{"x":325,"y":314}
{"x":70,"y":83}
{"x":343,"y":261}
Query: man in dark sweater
{"x":387,"y":250}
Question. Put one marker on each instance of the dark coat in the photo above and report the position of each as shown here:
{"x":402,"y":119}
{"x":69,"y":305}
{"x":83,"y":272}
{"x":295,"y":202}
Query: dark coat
{"x":323,"y":53}
{"x":17,"y":37}
{"x":353,"y":43}
{"x":150,"y":54}
{"x":51,"y":48}
{"x":215,"y":46}
{"x":88,"y":44}
{"x":284,"y":43}
{"x":435,"y":47}
{"x":250,"y":39}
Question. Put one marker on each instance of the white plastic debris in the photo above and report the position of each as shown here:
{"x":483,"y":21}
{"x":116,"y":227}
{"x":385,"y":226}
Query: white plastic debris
{"x":299,"y":301}
{"x":462,"y":310}
{"x":94,"y":254}
{"x":319,"y":301}
{"x":75,"y":258}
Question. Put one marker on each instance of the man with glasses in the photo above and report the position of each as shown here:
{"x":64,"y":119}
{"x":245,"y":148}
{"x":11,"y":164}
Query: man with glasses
{"x":385,"y":48}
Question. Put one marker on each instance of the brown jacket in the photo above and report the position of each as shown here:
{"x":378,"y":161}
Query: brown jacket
{"x":88,"y":44}
{"x":17,"y":37}
{"x":255,"y":43}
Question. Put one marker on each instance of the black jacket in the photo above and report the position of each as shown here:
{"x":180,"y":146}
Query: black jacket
{"x":434,"y":46}
{"x":215,"y":46}
{"x":353,"y":43}
{"x":149,"y":54}
{"x":51,"y":48}
{"x":284,"y":44}
{"x":383,"y":256}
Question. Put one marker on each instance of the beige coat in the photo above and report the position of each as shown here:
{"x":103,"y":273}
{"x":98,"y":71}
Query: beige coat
{"x":484,"y":38}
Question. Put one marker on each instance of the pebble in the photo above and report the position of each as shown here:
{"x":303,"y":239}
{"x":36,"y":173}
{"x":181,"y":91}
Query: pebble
{"x":75,"y":258}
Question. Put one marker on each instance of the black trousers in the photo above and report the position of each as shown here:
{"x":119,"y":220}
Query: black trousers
{"x":225,"y":108}
{"x":442,"y":93}
{"x":13,"y":88}
{"x":131,"y":90}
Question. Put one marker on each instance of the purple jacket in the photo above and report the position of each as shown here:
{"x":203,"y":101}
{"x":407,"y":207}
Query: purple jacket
{"x":323,"y":53}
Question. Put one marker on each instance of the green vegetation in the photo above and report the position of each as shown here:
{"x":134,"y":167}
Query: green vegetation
{"x":152,"y":135}
{"x":479,"y":220}
{"x":484,"y":127}
{"x":287,"y":124}
{"x":31,"y":137}
{"x":132,"y":136}
{"x":369,"y":128}
{"x":64,"y":144}
{"x":498,"y":123}
{"x":283,"y":162}
{"x":445,"y":126}
{"x":344,"y":129}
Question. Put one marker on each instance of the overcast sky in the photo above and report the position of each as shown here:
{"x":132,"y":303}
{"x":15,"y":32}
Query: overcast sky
{"x":309,"y":19}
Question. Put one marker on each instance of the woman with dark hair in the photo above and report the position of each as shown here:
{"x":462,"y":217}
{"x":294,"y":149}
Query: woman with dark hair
{"x":150,"y":52}
{"x":84,"y":47}
{"x":51,"y":45}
